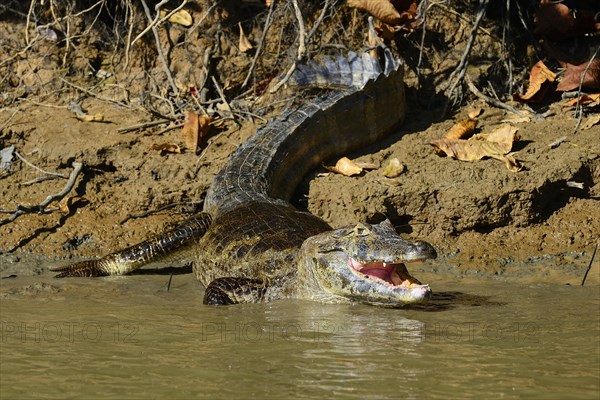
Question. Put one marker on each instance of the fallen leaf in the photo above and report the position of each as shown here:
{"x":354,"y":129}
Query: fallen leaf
{"x":385,"y":31}
{"x":540,"y":79}
{"x":189,"y":130}
{"x":461,"y":129}
{"x":495,"y":144}
{"x":181,"y":17}
{"x":383,"y":10}
{"x":556,"y":21}
{"x":346,"y":167}
{"x":393,"y":168}
{"x":591,"y":121}
{"x":90,"y":118}
{"x":509,"y":161}
{"x":475,"y":113}
{"x":67,"y":203}
{"x":172,"y":148}
{"x":194,"y":129}
{"x":573,"y":74}
{"x":589,"y":100}
{"x":244,"y":44}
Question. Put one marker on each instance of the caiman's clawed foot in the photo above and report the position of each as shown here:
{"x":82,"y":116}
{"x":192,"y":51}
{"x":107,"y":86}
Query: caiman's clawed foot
{"x":225,"y":291}
{"x":81,"y":269}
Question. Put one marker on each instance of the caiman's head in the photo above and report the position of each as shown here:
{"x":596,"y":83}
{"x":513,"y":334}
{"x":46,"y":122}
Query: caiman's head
{"x":363,"y":263}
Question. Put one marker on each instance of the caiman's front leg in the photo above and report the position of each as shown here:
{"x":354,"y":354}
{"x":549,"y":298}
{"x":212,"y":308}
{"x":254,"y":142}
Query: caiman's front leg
{"x":225,"y":291}
{"x":168,"y":246}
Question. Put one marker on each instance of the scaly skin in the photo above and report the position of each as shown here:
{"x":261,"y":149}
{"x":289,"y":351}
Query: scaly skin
{"x":251,"y":245}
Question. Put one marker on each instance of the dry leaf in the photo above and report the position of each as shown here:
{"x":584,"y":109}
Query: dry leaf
{"x":189,"y":130}
{"x":591,"y":121}
{"x":556,"y":21}
{"x":385,"y":31}
{"x":573,"y":74}
{"x":496,"y":144}
{"x":509,"y":161}
{"x":383,"y":10}
{"x":461,"y":129}
{"x":393,"y":168}
{"x":346,"y":167}
{"x":194,"y":129}
{"x":540,"y":79}
{"x":67,"y":203}
{"x":172,"y":148}
{"x":589,"y":100}
{"x":475,"y":113}
{"x":181,"y":17}
{"x":245,"y":44}
{"x":90,"y":118}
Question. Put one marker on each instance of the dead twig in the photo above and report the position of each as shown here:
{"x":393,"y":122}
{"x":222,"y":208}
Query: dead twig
{"x":97,"y":96}
{"x":260,"y":44}
{"x":159,"y":49}
{"x":461,"y":69}
{"x":491,"y":100}
{"x":143,"y":125}
{"x":579,"y":112}
{"x":301,"y":48}
{"x":41,"y":208}
{"x":589,"y":265}
{"x":38,"y":168}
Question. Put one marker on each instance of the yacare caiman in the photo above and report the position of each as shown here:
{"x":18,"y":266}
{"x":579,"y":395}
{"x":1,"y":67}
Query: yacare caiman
{"x":250,"y":244}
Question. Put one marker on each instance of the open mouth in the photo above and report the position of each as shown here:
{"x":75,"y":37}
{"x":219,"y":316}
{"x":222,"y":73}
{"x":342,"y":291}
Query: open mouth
{"x":391,"y":274}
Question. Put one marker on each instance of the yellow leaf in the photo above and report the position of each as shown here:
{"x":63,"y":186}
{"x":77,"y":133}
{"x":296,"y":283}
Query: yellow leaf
{"x":167,"y":148}
{"x":461,"y":129}
{"x":393,"y":168}
{"x":496,"y":144}
{"x":539,"y":79}
{"x":67,"y":202}
{"x":181,"y":17}
{"x":90,"y":118}
{"x":345,"y":167}
{"x":383,"y":10}
{"x":475,"y":113}
{"x":591,"y":121}
{"x":245,"y":44}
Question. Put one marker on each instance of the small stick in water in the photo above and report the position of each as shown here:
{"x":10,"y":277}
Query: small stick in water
{"x":590,"y":265}
{"x":171,"y":278}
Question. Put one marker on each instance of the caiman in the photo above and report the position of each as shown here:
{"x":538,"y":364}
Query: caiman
{"x":250,"y":244}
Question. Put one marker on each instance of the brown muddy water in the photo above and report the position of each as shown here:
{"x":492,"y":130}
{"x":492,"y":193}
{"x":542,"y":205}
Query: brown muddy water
{"x":127,"y":337}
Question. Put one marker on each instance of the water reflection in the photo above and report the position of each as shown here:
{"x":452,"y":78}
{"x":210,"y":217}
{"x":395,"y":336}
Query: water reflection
{"x":107,"y":337}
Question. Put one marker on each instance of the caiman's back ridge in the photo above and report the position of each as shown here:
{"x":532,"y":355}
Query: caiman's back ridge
{"x":251,"y":245}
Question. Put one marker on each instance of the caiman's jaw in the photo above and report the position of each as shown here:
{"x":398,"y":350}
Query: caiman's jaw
{"x":391,"y":274}
{"x":365,"y":263}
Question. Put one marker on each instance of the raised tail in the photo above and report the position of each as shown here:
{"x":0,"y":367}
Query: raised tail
{"x":169,"y":246}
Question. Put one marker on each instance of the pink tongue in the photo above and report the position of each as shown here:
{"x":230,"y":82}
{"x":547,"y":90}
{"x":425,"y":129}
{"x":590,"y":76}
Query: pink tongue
{"x":378,"y":270}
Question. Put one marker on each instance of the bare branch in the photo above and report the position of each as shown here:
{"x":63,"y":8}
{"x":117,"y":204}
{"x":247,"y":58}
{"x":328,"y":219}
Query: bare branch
{"x":41,"y":208}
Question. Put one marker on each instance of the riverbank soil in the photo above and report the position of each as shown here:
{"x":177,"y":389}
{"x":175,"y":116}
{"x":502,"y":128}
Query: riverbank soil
{"x":70,"y":84}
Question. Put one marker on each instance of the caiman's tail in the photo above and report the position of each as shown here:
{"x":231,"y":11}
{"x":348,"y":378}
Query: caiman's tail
{"x":352,"y":70}
{"x":172,"y":245}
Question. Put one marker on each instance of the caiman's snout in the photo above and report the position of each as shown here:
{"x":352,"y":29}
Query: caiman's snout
{"x":422,"y":251}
